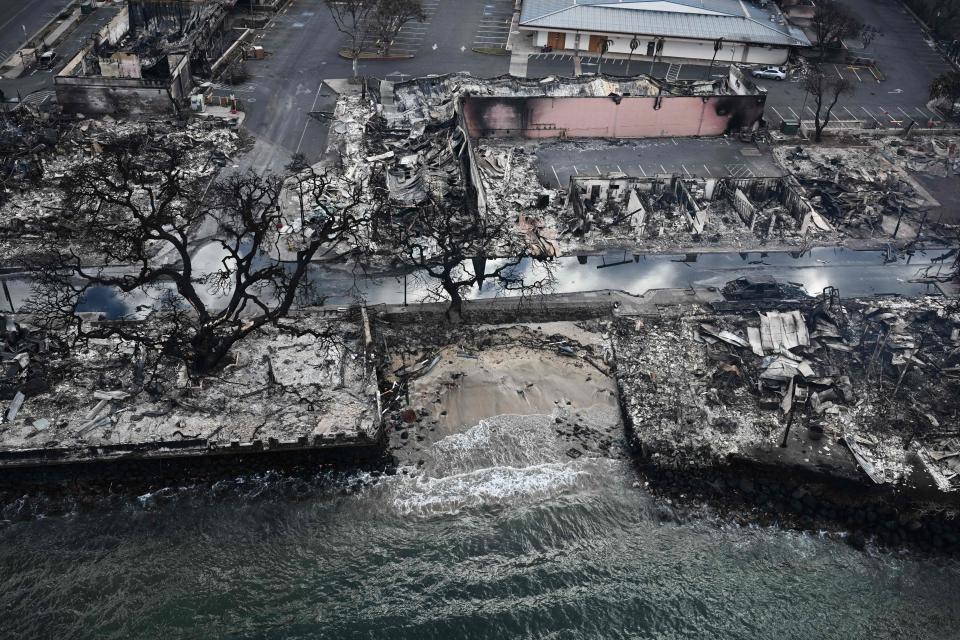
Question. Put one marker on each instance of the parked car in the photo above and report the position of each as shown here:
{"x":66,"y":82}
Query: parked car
{"x":48,"y":59}
{"x":770,"y":73}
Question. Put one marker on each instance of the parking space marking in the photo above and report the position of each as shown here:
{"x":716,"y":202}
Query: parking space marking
{"x":575,"y":170}
{"x":854,"y":69}
{"x":662,"y":169}
{"x":685,"y":171}
{"x":642,"y":171}
{"x":559,"y":184}
{"x":871,"y":115}
{"x":794,"y":113}
{"x":779,"y":115}
{"x":906,"y":114}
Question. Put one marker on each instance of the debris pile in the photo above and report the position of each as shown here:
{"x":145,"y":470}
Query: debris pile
{"x":857,"y":190}
{"x":32,"y":211}
{"x":934,"y":155}
{"x":304,"y":381}
{"x":855,"y":387}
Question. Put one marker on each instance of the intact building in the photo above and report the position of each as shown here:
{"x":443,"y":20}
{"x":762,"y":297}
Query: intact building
{"x":692,"y":31}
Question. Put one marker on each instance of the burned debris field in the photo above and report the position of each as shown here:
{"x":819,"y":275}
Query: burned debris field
{"x":433,"y":319}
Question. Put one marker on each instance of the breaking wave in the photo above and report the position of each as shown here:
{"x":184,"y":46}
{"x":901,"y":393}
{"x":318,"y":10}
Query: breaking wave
{"x":512,"y":460}
{"x":483,"y":487}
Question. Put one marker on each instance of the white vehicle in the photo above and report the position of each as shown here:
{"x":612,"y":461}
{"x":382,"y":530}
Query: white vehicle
{"x":771,"y":73}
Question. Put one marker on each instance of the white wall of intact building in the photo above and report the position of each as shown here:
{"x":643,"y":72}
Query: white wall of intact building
{"x":673,"y":48}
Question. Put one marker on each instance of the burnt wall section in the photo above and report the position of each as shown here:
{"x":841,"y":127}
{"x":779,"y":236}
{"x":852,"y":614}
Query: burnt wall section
{"x":97,"y":95}
{"x":615,"y":116}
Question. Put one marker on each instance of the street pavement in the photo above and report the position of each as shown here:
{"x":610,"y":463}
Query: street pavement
{"x":20,"y":19}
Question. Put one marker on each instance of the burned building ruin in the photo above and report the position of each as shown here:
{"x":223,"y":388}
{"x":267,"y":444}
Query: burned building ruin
{"x":146,"y":59}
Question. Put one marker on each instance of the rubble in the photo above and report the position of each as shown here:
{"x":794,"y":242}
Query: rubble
{"x":858,"y":190}
{"x":853,"y":389}
{"x":302,"y":383}
{"x":427,"y":139}
{"x":31,"y":210}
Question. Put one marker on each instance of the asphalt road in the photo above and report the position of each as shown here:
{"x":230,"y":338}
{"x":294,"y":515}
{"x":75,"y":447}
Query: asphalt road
{"x":22,"y":18}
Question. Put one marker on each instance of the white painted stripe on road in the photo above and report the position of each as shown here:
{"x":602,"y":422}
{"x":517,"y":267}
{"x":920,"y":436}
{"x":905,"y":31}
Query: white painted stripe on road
{"x":306,"y":124}
{"x":559,"y":184}
{"x":856,"y":74}
{"x":685,"y":171}
{"x":794,"y":113}
{"x":575,"y":170}
{"x":708,"y":170}
{"x":662,"y":169}
{"x":779,"y":115}
{"x":642,"y":171}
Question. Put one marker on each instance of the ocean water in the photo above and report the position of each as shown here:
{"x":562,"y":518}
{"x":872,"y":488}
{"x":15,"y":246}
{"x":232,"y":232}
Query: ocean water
{"x":498,"y":534}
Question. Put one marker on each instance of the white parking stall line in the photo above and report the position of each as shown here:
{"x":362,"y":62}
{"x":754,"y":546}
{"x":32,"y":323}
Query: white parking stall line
{"x":851,"y":113}
{"x":619,"y":169}
{"x":599,"y":173}
{"x":812,"y":112}
{"x":708,"y":170}
{"x":575,"y":170}
{"x":685,"y":170}
{"x":906,"y":114}
{"x":642,"y":171}
{"x":662,"y":169}
{"x":871,"y":115}
{"x":924,"y":115}
{"x":837,"y":69}
{"x":559,"y":184}
{"x":779,"y":115}
{"x":856,"y":74}
{"x":794,"y":113}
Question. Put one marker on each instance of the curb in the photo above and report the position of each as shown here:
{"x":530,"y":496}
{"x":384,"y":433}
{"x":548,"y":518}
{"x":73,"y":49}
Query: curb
{"x":369,"y":56}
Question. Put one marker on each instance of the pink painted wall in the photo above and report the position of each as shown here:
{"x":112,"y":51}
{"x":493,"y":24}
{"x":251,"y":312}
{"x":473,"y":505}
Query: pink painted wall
{"x":634,"y":117}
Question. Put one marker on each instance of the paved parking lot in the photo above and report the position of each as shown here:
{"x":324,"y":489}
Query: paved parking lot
{"x":493,"y":27}
{"x":898,"y":93}
{"x":688,"y":157}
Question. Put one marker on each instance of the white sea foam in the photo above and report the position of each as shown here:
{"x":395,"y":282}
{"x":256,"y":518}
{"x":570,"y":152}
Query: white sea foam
{"x":423,"y":495}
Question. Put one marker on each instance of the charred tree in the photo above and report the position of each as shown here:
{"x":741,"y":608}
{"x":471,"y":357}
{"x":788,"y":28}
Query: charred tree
{"x":353,"y":19}
{"x":832,"y":22}
{"x":825,"y":91}
{"x":139,"y":226}
{"x":946,"y":88}
{"x":451,"y":249}
{"x":391,"y":16}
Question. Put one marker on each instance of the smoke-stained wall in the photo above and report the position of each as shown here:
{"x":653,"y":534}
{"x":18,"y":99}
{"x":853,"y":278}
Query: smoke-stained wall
{"x":610,"y":117}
